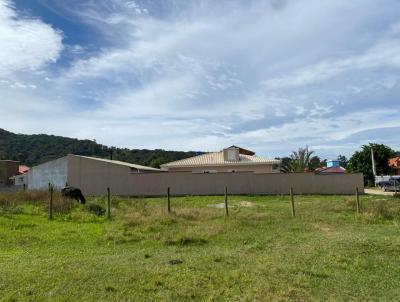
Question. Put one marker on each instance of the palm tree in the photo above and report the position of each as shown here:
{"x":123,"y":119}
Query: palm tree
{"x":299,"y":161}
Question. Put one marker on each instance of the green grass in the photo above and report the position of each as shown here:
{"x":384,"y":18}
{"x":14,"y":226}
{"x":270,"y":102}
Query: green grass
{"x":327,"y":253}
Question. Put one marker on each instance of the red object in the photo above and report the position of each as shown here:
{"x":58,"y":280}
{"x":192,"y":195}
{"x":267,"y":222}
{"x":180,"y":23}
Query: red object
{"x":394,"y":162}
{"x":23,"y":169}
{"x":330,"y":170}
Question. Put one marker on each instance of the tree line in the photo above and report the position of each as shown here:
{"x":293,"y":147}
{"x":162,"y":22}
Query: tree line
{"x":35,"y":149}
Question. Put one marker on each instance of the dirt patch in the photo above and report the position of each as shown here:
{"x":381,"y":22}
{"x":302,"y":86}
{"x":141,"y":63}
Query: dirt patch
{"x":241,"y":204}
{"x":376,"y":191}
{"x":246,"y":204}
{"x":324,"y":229}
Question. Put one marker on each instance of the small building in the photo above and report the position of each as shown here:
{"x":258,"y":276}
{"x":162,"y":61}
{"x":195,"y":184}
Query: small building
{"x":83,"y":172}
{"x":231,"y":159}
{"x":8,"y":169}
{"x":21,"y":179}
{"x":332,"y":167}
{"x":394,"y":164}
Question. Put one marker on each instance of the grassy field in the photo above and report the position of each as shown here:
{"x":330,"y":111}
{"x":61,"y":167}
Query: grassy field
{"x":259,"y":253}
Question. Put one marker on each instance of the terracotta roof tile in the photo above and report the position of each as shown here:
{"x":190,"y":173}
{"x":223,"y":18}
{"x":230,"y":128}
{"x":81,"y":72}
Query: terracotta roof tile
{"x":217,"y":159}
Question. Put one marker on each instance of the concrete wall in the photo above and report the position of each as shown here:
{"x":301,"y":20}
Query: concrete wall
{"x":55,"y":171}
{"x":93,"y":177}
{"x":245,"y":183}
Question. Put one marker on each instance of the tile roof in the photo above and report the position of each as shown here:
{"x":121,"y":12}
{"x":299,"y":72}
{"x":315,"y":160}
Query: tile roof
{"x":330,"y":170}
{"x":394,"y":162}
{"x":122,"y":163}
{"x":22,"y":169}
{"x":217,"y":159}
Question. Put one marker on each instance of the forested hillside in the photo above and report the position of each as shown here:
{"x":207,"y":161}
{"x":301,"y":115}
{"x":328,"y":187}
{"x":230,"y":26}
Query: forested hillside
{"x":38,"y":148}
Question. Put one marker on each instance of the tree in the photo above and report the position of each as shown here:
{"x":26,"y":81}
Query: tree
{"x":285,"y":164}
{"x":343,"y":161}
{"x":361,"y":161}
{"x":299,"y":161}
{"x":316,"y":162}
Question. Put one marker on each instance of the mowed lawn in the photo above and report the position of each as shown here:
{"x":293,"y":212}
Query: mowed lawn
{"x":258,"y":253}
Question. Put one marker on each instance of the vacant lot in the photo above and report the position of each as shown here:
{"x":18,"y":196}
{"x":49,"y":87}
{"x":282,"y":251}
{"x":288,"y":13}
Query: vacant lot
{"x":259,"y":253}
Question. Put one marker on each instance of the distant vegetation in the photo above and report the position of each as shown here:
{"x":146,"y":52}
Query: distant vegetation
{"x":305,"y":160}
{"x":39,"y":148}
{"x":361,"y":161}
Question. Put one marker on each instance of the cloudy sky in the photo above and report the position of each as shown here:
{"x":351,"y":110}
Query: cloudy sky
{"x":268,"y":75}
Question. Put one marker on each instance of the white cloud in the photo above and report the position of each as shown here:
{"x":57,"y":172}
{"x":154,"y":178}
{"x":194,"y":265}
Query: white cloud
{"x":188,"y":76}
{"x":385,"y":53}
{"x":26,"y":43}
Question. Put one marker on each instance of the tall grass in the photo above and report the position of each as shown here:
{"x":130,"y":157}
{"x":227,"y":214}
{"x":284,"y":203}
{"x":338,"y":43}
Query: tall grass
{"x":39,"y":198}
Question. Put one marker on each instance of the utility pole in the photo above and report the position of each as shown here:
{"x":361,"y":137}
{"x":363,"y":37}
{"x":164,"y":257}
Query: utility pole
{"x":373,"y":164}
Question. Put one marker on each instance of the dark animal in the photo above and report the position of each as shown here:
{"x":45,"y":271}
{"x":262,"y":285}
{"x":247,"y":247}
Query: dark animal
{"x":73,"y":193}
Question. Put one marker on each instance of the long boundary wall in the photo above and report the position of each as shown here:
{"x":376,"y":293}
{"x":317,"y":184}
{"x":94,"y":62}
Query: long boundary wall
{"x":93,"y":177}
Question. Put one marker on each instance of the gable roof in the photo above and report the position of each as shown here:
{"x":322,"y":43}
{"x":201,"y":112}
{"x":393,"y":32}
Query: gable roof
{"x":217,"y":159}
{"x":122,"y":163}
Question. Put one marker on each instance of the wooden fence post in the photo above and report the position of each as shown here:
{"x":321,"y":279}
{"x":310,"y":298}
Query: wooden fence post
{"x":108,"y":203}
{"x":168,"y":200}
{"x":357,"y":200}
{"x":24,"y":187}
{"x":226,"y":201}
{"x":292,"y":202}
{"x":51,"y":202}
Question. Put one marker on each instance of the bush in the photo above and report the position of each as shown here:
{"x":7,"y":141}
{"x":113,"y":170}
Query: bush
{"x":96,"y":209}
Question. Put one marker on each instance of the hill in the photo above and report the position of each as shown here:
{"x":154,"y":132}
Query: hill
{"x":39,"y":148}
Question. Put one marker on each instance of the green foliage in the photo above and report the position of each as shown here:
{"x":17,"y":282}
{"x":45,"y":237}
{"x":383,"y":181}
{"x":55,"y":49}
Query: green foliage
{"x":327,"y":253}
{"x":343,"y":161}
{"x":361,"y":161}
{"x":300,"y":161}
{"x":35,"y":149}
{"x":95,"y":208}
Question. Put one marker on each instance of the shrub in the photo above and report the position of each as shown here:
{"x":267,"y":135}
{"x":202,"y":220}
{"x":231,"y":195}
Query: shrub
{"x":96,"y":209}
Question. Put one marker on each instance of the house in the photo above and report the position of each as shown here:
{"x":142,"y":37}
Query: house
{"x":231,"y":159}
{"x":394,"y":164}
{"x":89,"y":173}
{"x":21,"y":179}
{"x":8,"y":168}
{"x":332,"y":167}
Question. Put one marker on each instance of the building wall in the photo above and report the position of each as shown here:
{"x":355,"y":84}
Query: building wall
{"x":93,"y":177}
{"x":54,"y":171}
{"x":8,"y":168}
{"x":219,"y":169}
{"x":184,"y":183}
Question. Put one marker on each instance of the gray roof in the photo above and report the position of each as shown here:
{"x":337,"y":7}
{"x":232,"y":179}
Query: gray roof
{"x":122,"y":163}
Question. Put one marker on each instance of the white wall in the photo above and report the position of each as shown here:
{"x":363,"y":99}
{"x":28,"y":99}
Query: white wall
{"x":55,"y":172}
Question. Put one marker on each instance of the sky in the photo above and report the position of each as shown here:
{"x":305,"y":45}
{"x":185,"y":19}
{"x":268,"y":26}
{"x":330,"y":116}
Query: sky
{"x":270,"y":76}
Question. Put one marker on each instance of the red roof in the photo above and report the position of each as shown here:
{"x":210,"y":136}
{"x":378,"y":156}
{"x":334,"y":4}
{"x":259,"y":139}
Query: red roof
{"x":23,"y":169}
{"x":394,"y":162}
{"x":330,"y":170}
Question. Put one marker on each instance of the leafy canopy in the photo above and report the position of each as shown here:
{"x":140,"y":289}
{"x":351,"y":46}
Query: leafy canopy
{"x":300,"y":161}
{"x":361,"y":161}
